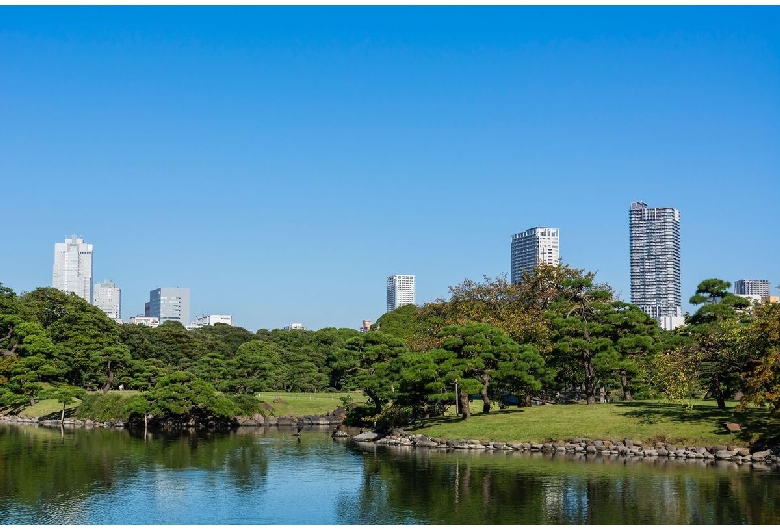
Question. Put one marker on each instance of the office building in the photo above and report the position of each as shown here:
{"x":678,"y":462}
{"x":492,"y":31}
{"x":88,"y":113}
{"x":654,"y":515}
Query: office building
{"x":210,"y":320}
{"x":72,"y":271}
{"x":108,"y":298}
{"x":295,"y":326}
{"x":654,"y":239}
{"x":366,"y":327}
{"x":169,"y":303}
{"x":759,"y":288}
{"x":533,"y":247}
{"x":141,"y":320}
{"x":400,"y":291}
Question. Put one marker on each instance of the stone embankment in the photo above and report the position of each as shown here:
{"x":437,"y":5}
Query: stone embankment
{"x":583,"y":446}
{"x":70,"y":422}
{"x":258,"y":420}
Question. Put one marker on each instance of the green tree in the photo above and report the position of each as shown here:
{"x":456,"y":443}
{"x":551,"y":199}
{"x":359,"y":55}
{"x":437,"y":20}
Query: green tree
{"x":714,"y":329}
{"x":366,"y":362}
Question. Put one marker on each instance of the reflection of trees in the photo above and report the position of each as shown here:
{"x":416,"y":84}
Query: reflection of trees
{"x":38,"y":464}
{"x":435,"y":487}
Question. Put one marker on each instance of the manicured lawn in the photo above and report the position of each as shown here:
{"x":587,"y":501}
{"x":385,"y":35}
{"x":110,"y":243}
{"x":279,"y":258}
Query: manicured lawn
{"x":306,"y":403}
{"x":645,"y":421}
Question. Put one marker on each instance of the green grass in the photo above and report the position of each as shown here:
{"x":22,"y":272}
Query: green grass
{"x":48,"y":409}
{"x":306,"y":403}
{"x":646,"y":421}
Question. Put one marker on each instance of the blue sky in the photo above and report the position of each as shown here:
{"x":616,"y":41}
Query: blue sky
{"x":281,"y":162}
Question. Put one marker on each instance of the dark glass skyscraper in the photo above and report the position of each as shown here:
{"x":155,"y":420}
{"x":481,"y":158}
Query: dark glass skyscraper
{"x":655,"y":262}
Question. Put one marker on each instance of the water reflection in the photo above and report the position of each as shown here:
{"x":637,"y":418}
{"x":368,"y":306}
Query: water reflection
{"x":268,"y":476}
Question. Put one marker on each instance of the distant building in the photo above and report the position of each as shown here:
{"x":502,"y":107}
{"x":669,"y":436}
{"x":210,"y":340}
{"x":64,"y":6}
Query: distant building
{"x":108,"y":298}
{"x":533,"y":247}
{"x":294,"y":326}
{"x":169,"y":303}
{"x":758,"y":288}
{"x":142,"y":320}
{"x":210,"y":320}
{"x":654,"y":240}
{"x":72,"y":271}
{"x":366,"y":326}
{"x":400,"y":291}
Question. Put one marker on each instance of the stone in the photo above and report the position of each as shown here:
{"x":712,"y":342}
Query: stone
{"x":368,"y":436}
{"x":662,"y":452}
{"x":590,"y":449}
{"x":732,"y":427}
{"x":760,"y":455}
{"x":716,"y":448}
{"x":724,"y":455}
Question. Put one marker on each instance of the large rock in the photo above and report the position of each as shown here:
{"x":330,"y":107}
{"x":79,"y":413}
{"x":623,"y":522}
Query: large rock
{"x":725,"y":455}
{"x":761,"y":455}
{"x":368,"y":436}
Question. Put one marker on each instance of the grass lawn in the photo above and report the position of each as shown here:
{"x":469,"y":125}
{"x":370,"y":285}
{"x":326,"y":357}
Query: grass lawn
{"x":306,"y":403}
{"x":647,"y":421}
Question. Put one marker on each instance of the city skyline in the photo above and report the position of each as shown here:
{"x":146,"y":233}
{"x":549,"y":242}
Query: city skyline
{"x":282,"y":161}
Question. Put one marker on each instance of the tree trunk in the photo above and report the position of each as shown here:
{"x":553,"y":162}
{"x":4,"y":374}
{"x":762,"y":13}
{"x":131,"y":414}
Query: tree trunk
{"x":465,"y":411}
{"x":484,"y":394}
{"x":624,"y":384}
{"x":32,"y":400}
{"x":110,"y":381}
{"x":62,"y":418}
{"x":590,"y":373}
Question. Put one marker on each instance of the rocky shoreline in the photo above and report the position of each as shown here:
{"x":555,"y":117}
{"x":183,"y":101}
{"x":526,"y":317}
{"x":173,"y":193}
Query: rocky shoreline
{"x":582,"y":446}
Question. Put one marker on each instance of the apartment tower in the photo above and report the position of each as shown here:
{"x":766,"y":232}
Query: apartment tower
{"x":654,"y":235}
{"x":759,"y":288}
{"x":72,"y":271}
{"x":533,"y":247}
{"x":400,"y":290}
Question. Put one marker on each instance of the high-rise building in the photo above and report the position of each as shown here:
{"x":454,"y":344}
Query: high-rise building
{"x":108,"y":298}
{"x":169,"y":303}
{"x":654,"y":235}
{"x":758,"y":288}
{"x":533,"y":247}
{"x":400,"y":290}
{"x":72,"y":272}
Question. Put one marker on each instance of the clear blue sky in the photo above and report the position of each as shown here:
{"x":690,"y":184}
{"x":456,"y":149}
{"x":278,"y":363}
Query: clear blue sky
{"x":281,"y":162}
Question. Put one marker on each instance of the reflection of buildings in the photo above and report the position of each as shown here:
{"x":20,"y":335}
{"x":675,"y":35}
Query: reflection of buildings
{"x":400,"y":290}
{"x":107,"y":297}
{"x":534,"y":247}
{"x":654,"y":239}
{"x":169,"y":303}
{"x":72,"y":271}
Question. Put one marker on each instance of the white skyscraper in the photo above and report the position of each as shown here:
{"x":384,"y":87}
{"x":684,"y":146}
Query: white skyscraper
{"x":533,"y":247}
{"x":169,"y":303}
{"x":108,"y":298}
{"x":400,"y":290}
{"x":72,"y":272}
{"x":654,"y":235}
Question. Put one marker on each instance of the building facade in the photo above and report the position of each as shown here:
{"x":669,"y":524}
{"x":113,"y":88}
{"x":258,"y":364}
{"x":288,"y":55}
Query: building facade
{"x":400,"y":290}
{"x":142,"y":320}
{"x":210,"y":320}
{"x":108,"y":298}
{"x":654,"y":240}
{"x":169,"y":303}
{"x":758,"y":288}
{"x":533,"y":247}
{"x":295,"y":326}
{"x":72,"y":271}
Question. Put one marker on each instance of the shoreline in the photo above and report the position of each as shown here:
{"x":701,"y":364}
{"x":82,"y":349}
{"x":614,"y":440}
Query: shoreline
{"x":584,"y":447}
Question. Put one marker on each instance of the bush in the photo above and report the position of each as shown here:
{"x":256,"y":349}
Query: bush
{"x":103,"y":407}
{"x":246,"y":404}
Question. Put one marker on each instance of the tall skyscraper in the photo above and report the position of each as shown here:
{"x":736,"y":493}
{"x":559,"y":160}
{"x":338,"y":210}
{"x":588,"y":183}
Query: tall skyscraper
{"x":533,"y":247}
{"x":108,"y":298}
{"x":654,"y":235}
{"x":169,"y":303}
{"x":72,"y":271}
{"x":400,"y":290}
{"x":758,"y":288}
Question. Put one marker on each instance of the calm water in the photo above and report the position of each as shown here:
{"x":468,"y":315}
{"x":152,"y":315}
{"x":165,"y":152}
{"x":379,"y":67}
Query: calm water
{"x":270,"y":477}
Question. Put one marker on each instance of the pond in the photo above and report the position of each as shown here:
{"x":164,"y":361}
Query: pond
{"x":270,"y":476}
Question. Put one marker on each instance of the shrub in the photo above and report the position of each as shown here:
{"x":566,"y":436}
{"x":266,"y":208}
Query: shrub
{"x":103,"y":407}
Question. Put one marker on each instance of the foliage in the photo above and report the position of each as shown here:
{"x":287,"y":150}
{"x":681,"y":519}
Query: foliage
{"x":97,"y":406}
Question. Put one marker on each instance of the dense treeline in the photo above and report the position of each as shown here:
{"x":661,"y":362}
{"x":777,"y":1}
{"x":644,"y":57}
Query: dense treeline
{"x":556,"y":334}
